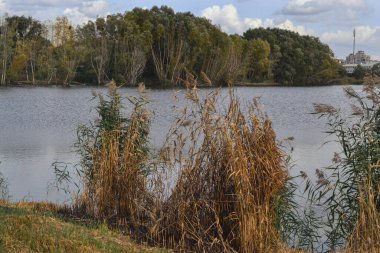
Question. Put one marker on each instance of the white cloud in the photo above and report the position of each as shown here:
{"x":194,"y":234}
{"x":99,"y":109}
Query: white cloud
{"x":75,"y":15}
{"x":288,"y":25}
{"x":88,"y":10}
{"x":228,"y":19}
{"x":94,"y":8}
{"x":78,"y":11}
{"x":364,"y":35}
{"x":43,"y":3}
{"x":3,"y":7}
{"x":367,"y":39}
{"x":312,"y":7}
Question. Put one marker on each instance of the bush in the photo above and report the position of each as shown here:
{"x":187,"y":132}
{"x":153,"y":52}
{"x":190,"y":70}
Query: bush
{"x":359,"y":72}
{"x":376,"y":70}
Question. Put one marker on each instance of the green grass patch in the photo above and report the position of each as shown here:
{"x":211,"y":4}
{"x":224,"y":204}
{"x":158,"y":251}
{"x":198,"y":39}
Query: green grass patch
{"x":32,"y":228}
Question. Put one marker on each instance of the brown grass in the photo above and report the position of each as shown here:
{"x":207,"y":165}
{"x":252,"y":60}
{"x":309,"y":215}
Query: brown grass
{"x":117,"y":189}
{"x":366,"y":235}
{"x":212,"y":189}
{"x":231,"y":170}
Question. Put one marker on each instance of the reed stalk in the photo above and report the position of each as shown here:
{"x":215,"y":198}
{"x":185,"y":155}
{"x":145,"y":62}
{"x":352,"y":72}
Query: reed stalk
{"x":231,"y":171}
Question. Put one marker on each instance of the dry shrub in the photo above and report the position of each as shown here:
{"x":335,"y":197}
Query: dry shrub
{"x":230,"y":172}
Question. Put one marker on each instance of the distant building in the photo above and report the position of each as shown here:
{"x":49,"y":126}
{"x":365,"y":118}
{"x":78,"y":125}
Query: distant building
{"x":350,"y":67}
{"x":350,"y":59}
{"x":359,"y":58}
{"x":353,"y":60}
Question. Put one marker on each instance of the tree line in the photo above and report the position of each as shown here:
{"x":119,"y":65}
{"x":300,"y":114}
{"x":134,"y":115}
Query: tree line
{"x":157,"y":46}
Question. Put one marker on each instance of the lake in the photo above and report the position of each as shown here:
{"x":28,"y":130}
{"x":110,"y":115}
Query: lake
{"x":38,"y":127}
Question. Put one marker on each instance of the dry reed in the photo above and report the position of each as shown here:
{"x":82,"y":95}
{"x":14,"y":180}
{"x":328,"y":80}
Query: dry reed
{"x":212,"y":189}
{"x":114,"y":164}
{"x":366,"y":235}
{"x":231,"y":170}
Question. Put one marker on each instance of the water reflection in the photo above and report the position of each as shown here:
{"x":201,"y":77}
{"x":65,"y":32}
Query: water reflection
{"x":38,"y":126}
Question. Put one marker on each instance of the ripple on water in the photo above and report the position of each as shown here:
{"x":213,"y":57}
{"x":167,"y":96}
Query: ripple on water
{"x":38,"y":127}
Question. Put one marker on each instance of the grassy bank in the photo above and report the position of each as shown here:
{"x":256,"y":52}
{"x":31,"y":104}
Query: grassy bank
{"x":42,"y":227}
{"x":39,"y":227}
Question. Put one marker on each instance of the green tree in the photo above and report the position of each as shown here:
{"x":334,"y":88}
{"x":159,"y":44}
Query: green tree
{"x":259,"y":63}
{"x":27,"y":45}
{"x":376,"y":69}
{"x":158,"y":45}
{"x":359,"y":72}
{"x":296,"y":59}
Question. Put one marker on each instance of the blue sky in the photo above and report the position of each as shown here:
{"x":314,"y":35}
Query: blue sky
{"x":331,"y":20}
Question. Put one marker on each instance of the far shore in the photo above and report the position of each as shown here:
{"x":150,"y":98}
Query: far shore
{"x":269,"y":83}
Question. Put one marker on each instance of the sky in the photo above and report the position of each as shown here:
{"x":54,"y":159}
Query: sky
{"x":333,"y":21}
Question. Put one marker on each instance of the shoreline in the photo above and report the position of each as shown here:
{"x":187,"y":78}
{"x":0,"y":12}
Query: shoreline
{"x":333,"y":82}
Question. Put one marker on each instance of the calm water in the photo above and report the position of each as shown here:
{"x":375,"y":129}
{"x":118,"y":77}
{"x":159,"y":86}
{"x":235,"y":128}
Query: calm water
{"x":38,"y":127}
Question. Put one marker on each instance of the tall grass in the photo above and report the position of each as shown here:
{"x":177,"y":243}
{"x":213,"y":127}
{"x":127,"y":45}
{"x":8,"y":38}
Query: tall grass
{"x":114,"y":151}
{"x":220,"y":182}
{"x":365,"y":237}
{"x":231,"y":171}
{"x":351,"y":194}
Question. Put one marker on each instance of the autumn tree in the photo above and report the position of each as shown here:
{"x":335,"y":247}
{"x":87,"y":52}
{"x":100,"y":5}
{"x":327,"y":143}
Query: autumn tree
{"x":67,"y":50}
{"x":359,"y":72}
{"x":5,"y":49}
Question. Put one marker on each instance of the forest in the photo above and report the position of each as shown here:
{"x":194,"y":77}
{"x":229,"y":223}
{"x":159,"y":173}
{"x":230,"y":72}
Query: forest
{"x":159,"y":47}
